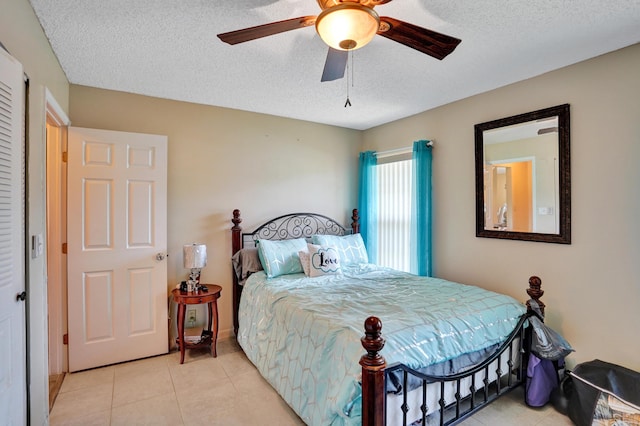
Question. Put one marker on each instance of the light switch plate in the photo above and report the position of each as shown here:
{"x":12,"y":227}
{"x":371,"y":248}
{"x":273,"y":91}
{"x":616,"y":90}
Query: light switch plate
{"x":37,"y":245}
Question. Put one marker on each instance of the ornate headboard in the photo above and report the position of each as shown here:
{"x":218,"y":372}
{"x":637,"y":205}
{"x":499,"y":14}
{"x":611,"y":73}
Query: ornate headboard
{"x":293,"y":225}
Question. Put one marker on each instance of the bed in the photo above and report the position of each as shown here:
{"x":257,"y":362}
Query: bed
{"x":448,"y":348}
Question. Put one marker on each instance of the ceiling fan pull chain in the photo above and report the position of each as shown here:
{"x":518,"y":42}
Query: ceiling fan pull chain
{"x":348,"y":102}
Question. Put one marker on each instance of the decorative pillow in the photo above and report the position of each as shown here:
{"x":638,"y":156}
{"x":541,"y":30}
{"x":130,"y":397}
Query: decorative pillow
{"x":281,"y":257}
{"x":304,"y":259}
{"x":350,"y":247}
{"x":323,"y":260}
{"x":246,"y":262}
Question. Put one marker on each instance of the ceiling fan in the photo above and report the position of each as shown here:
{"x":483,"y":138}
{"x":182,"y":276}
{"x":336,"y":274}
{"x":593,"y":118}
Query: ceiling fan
{"x":347,"y":25}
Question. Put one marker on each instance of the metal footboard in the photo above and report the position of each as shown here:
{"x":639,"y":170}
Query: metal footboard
{"x":456,"y":396}
{"x":460,"y":395}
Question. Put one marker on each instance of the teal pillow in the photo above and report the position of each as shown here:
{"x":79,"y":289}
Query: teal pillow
{"x":350,"y":247}
{"x":281,"y":257}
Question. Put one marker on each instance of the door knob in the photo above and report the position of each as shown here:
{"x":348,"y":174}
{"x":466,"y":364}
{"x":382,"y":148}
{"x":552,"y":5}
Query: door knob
{"x":21,"y":296}
{"x":161,"y":256}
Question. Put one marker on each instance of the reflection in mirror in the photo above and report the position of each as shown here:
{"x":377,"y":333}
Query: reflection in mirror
{"x":521,"y":170}
{"x":522,"y":177}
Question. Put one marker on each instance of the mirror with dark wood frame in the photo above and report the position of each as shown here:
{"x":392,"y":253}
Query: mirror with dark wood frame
{"x":523,"y":179}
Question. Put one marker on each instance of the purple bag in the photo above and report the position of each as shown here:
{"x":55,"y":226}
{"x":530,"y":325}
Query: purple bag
{"x":542,"y":379}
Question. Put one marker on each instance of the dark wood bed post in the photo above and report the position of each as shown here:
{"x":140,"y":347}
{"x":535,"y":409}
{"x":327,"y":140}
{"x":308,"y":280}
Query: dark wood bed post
{"x":355,"y":224}
{"x":236,"y":245}
{"x":535,"y":292}
{"x":373,"y":365}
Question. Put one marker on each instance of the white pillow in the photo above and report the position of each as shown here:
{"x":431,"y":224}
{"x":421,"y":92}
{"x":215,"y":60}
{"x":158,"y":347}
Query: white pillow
{"x":323,"y":260}
{"x":304,"y":259}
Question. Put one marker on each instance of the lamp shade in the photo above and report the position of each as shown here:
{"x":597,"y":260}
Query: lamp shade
{"x":347,"y":26}
{"x":195,"y":256}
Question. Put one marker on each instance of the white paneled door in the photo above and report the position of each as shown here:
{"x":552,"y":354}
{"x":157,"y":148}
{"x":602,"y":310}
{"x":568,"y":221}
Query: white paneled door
{"x":13,"y":373}
{"x":116,"y":239}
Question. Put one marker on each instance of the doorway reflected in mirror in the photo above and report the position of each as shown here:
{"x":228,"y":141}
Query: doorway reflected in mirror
{"x":522,"y":177}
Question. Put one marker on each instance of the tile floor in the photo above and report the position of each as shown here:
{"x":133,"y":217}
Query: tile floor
{"x":55,"y":382}
{"x":214,"y":391}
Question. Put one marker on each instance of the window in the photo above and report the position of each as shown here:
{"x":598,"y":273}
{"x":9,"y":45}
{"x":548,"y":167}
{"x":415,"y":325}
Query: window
{"x":394,"y":214}
{"x":395,"y":207}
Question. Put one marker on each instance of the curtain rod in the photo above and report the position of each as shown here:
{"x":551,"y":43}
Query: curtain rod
{"x":398,"y":151}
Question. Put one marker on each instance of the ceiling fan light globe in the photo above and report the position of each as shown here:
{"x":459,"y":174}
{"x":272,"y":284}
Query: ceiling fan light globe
{"x":347,"y":26}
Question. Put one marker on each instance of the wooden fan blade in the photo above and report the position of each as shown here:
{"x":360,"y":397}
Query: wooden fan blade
{"x":335,"y":64}
{"x":240,"y":36}
{"x":426,"y":41}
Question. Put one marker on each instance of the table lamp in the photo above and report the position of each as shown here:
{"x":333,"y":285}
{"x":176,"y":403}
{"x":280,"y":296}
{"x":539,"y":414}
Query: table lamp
{"x":195,"y":258}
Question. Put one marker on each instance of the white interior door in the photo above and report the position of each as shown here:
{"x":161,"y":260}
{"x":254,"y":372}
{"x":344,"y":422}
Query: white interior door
{"x":116,"y":238}
{"x":13,"y":397}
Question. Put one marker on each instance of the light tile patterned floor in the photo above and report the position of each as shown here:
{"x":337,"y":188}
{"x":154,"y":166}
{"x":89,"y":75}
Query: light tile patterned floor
{"x":215,"y":391}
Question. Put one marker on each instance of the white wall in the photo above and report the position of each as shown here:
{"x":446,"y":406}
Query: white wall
{"x":593,"y":285}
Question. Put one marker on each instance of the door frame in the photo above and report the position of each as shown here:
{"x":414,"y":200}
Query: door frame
{"x":534,"y":201}
{"x":56,"y":123}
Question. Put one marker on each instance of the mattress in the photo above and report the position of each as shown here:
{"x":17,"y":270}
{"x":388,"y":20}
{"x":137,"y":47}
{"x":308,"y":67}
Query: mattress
{"x":303,"y":334}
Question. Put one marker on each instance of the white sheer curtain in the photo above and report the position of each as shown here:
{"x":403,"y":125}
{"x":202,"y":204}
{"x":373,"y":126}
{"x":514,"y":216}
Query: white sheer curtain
{"x":394,"y":214}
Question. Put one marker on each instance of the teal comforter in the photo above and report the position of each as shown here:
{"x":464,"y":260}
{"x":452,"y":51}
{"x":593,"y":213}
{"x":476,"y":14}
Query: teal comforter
{"x":303,"y":334}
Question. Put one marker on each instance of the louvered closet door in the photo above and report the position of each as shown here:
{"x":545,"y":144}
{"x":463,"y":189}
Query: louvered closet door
{"x":117,"y":227}
{"x":13,"y":400}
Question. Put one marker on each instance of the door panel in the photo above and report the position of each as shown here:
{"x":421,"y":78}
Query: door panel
{"x":13,"y":372}
{"x":96,"y":214}
{"x":141,"y":289}
{"x":117,"y":224}
{"x":97,"y":307}
{"x":140,"y":214}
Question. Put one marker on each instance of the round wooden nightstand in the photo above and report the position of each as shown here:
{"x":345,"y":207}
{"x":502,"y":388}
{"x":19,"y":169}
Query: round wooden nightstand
{"x":210,"y":335}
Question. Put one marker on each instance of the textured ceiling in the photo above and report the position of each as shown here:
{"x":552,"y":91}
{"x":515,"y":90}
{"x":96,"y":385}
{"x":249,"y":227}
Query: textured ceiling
{"x":169,"y":49}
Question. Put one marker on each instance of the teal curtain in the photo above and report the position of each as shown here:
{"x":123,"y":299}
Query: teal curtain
{"x":368,"y":202}
{"x":421,"y":209}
